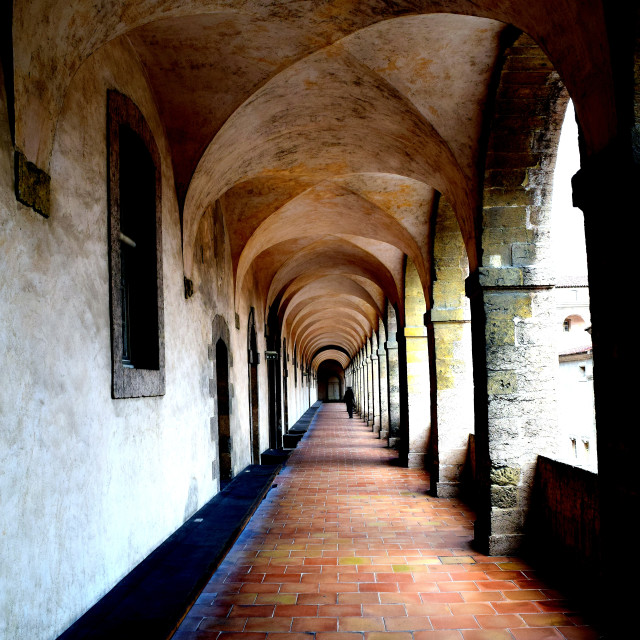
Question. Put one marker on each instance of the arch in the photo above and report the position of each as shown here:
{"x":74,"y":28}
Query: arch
{"x":331,"y":379}
{"x":325,"y":209}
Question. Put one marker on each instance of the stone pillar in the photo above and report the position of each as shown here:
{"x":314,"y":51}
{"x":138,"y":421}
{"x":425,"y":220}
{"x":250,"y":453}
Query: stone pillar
{"x":515,"y":396}
{"x":369,"y":370}
{"x":360,"y":384}
{"x":375,"y":371}
{"x":512,"y":299}
{"x":393,"y":389}
{"x":383,"y":385}
{"x":417,"y":434}
{"x":453,"y":399}
{"x":354,"y":374}
{"x":448,"y":324}
{"x":419,"y":400}
{"x":365,"y":389}
{"x":607,"y":185}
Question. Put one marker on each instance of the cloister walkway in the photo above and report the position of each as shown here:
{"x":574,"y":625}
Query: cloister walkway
{"x":348,"y":546}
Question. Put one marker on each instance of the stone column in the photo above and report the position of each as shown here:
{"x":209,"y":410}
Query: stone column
{"x":419,"y":392}
{"x":354,"y":373}
{"x":608,"y":184}
{"x":451,"y":330}
{"x":365,"y":390}
{"x":383,"y":384}
{"x":376,"y":388}
{"x":369,"y":369}
{"x":393,"y":389}
{"x":418,"y":429}
{"x":515,"y":362}
{"x":448,"y":324}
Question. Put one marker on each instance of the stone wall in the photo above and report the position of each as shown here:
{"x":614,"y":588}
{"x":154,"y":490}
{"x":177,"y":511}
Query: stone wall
{"x":565,"y":516}
{"x":90,"y":485}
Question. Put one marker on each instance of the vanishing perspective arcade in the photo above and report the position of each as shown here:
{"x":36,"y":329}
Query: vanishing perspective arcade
{"x":214,"y":213}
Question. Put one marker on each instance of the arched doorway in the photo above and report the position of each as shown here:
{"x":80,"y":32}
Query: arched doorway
{"x":331,"y":378}
{"x":222,"y":400}
{"x":333,"y":388}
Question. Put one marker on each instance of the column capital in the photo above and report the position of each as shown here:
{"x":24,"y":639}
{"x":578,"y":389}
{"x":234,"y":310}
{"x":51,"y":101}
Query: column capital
{"x":391,"y":346}
{"x":449,"y":316}
{"x":522,"y":278}
{"x":415,"y":332}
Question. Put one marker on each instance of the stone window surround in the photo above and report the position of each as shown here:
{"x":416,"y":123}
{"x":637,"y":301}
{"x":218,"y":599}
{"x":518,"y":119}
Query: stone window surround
{"x":128,"y":382}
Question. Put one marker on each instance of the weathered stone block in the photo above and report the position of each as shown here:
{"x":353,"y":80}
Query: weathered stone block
{"x":523,"y":253}
{"x":506,"y":521}
{"x":500,"y":330}
{"x":500,"y":276}
{"x":509,"y":197}
{"x":504,"y":497}
{"x":504,"y":217}
{"x":503,"y":382}
{"x":503,"y":476}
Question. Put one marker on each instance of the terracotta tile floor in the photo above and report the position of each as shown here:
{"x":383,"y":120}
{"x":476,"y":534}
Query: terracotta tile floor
{"x":350,"y":547}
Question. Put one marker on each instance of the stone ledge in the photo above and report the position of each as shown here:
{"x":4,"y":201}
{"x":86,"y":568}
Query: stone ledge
{"x":152,"y":599}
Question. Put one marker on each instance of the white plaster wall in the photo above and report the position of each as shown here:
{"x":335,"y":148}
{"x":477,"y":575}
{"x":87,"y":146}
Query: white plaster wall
{"x":576,"y":415}
{"x":90,"y":485}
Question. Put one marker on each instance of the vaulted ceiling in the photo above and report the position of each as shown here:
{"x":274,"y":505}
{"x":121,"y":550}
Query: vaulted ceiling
{"x":326,"y":131}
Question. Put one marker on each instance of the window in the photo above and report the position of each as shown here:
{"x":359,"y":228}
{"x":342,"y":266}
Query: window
{"x":137,"y":318}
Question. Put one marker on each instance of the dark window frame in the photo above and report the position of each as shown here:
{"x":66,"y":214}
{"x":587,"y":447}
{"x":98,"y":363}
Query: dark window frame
{"x":127,"y":381}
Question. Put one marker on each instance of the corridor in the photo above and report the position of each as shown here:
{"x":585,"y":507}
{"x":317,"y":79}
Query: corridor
{"x":347,"y":543}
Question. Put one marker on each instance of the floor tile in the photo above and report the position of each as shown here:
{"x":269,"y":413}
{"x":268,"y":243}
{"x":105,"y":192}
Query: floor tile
{"x":350,"y":546}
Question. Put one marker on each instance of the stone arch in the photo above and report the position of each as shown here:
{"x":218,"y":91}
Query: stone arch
{"x":330,"y":371}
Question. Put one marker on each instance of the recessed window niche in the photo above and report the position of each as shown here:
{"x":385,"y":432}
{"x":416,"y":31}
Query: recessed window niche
{"x":135,"y":252}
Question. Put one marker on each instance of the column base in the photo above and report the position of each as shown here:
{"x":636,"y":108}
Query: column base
{"x":501,"y":544}
{"x":447,"y":490}
{"x":384,"y":434}
{"x":416,"y":460}
{"x":394,"y":441}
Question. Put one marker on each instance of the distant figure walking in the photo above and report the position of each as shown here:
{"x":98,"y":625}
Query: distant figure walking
{"x":348,"y":399}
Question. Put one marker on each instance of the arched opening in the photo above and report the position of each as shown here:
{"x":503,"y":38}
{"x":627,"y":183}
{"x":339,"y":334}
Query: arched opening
{"x":576,"y":440}
{"x":222,"y":403}
{"x":333,"y":388}
{"x":331,"y":378}
{"x":254,"y":413}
